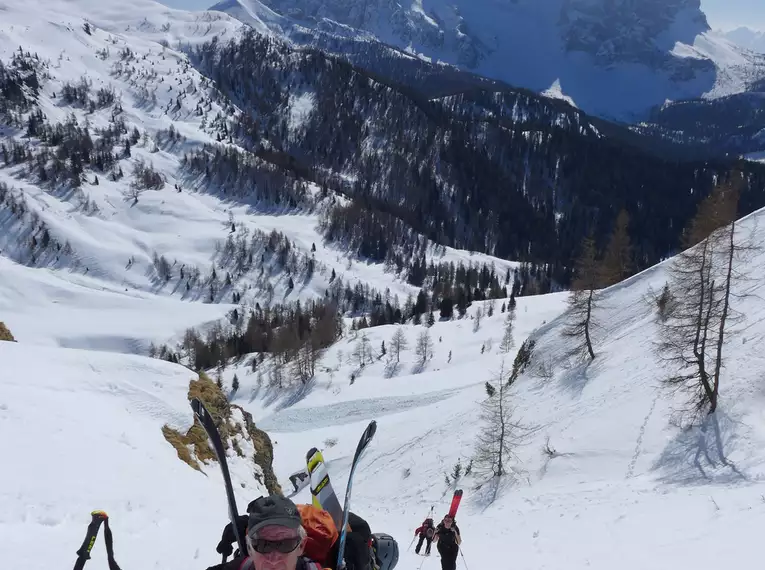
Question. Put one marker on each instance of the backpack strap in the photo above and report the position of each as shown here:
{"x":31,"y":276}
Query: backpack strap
{"x":308,"y":564}
{"x":247,"y":564}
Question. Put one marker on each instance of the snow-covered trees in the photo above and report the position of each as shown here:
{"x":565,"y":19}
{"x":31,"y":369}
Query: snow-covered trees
{"x":398,"y":343}
{"x":507,"y":339}
{"x":477,"y":319}
{"x":424,"y":347}
{"x":362,"y":352}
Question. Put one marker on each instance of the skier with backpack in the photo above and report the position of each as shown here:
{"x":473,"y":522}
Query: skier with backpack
{"x":275,"y":537}
{"x":271,"y":532}
{"x":425,"y":532}
{"x":448,"y":540}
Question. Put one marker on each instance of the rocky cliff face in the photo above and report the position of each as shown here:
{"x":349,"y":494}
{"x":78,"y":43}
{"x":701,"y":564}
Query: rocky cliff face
{"x":614,"y":58}
{"x":612,"y":31}
{"x":632,"y":31}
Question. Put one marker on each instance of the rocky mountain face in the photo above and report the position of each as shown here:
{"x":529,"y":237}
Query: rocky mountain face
{"x":613,"y":58}
{"x":633,"y":31}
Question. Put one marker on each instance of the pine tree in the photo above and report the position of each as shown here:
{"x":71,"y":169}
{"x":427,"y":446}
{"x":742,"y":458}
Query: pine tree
{"x":447,"y":308}
{"x":235,"y":383}
{"x":431,"y":320}
{"x":477,"y":319}
{"x":507,"y":340}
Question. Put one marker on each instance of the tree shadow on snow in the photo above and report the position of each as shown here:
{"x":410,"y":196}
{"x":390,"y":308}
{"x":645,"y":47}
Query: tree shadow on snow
{"x":697,"y":455}
{"x":284,"y":398}
{"x":577,"y":375}
{"x":487,"y":493}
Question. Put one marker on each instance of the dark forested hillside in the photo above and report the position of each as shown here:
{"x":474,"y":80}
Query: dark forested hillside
{"x":507,"y":173}
{"x":731,"y":124}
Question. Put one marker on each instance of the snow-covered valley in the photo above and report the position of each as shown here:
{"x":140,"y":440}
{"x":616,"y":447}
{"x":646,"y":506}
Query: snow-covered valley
{"x":602,"y":477}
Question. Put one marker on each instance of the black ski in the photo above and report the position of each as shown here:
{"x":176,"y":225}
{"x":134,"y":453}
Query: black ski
{"x":208,"y":424}
{"x":365,"y":440}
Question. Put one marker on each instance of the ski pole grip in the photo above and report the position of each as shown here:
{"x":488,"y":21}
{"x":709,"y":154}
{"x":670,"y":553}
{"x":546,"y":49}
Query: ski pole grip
{"x":83,"y":554}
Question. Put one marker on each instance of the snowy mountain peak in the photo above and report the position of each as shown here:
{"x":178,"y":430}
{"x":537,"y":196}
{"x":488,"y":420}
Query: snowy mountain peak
{"x":615,"y":59}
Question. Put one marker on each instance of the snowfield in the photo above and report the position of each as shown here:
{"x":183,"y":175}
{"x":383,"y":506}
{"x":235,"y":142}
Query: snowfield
{"x":82,"y":406}
{"x":625,"y":480}
{"x":83,"y":429}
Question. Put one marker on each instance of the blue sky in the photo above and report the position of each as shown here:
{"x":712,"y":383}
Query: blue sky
{"x":722,"y":14}
{"x":727,"y":14}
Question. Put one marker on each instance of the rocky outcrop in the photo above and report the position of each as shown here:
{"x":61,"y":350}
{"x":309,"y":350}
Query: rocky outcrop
{"x":237,"y":430}
{"x":5,"y":334}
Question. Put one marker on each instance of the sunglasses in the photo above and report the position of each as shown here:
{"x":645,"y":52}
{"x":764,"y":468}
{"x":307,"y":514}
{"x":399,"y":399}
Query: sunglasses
{"x":284,"y":546}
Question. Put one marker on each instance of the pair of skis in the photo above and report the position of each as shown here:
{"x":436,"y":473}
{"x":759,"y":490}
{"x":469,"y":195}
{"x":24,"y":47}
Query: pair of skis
{"x":340,"y":516}
{"x":456,"y":499}
{"x":323,"y":494}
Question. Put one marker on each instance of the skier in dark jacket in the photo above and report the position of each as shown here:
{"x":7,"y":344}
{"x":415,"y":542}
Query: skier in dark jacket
{"x":426,"y":532}
{"x":448,"y":542}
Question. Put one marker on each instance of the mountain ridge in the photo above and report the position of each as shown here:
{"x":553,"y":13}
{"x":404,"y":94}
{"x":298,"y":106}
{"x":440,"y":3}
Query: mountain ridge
{"x":612,"y":60}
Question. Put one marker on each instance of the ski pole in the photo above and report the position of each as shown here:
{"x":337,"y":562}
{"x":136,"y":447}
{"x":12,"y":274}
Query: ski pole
{"x":411,"y":543}
{"x":463,"y":559}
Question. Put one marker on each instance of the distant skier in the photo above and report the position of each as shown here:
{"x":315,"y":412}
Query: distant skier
{"x":426,"y":532}
{"x":302,"y":477}
{"x":448,"y":542}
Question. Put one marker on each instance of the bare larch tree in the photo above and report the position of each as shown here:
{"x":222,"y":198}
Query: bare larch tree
{"x":701,"y":278}
{"x":500,"y":433}
{"x":582,"y":301}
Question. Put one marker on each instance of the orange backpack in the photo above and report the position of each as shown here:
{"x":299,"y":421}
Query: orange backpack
{"x":321,"y":532}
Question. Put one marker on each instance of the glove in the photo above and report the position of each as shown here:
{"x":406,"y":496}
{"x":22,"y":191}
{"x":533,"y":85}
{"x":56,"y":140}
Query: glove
{"x":225,"y":546}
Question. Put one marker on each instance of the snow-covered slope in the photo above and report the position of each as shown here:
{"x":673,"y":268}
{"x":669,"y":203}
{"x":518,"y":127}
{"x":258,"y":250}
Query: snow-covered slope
{"x":151,"y":245}
{"x":82,"y":431}
{"x":625,"y":478}
{"x":81,"y":420}
{"x":614,"y":59}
